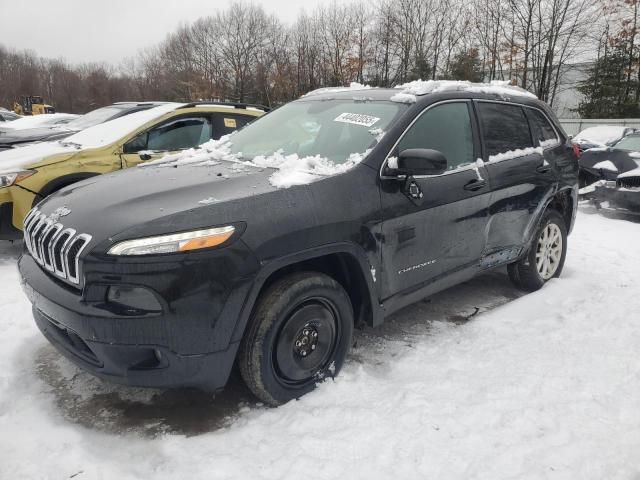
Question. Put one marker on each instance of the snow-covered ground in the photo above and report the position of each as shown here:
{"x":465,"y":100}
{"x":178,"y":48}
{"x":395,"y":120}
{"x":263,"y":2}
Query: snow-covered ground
{"x":545,"y":385}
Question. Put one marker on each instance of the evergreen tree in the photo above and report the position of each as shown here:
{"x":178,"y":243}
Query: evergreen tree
{"x":466,"y":65}
{"x":607,"y":91}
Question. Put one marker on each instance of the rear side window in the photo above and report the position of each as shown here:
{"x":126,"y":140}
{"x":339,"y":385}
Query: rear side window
{"x":543,"y":132}
{"x":504,"y":127}
{"x":446,"y":128}
{"x":224,"y":124}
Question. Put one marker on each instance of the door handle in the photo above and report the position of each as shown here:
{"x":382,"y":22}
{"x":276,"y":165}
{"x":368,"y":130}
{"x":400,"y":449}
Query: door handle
{"x":475,"y":184}
{"x":544,"y":168}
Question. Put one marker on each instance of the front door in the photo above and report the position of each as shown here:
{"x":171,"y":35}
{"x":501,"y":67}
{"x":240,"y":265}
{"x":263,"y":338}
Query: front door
{"x":170,"y":136}
{"x":435,"y":225}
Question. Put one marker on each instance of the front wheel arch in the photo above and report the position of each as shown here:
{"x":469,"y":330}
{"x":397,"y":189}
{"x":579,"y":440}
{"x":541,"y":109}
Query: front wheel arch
{"x":59,"y":183}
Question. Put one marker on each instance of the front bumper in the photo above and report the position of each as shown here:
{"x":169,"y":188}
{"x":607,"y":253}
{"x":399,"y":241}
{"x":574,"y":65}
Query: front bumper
{"x":7,"y":230}
{"x":161,"y":349}
{"x":617,"y":198}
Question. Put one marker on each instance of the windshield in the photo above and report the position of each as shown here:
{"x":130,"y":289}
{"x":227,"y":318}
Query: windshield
{"x":94,"y":118}
{"x":630,"y":143}
{"x":113,"y":130}
{"x":332,"y":129}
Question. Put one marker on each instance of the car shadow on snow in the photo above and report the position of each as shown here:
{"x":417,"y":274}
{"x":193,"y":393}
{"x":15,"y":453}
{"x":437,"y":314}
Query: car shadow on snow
{"x":97,"y":405}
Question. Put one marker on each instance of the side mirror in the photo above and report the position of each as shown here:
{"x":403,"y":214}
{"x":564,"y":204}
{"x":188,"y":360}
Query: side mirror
{"x":421,"y":161}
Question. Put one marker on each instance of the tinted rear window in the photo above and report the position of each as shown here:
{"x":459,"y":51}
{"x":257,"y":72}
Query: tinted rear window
{"x":504,"y":127}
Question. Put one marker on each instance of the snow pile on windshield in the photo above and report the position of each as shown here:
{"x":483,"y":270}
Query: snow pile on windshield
{"x":519,"y":152}
{"x":113,"y":130}
{"x":36,"y":121}
{"x":409,"y":91}
{"x":291,"y":169}
{"x":352,"y":86}
{"x":600,"y":135}
{"x":16,"y":159}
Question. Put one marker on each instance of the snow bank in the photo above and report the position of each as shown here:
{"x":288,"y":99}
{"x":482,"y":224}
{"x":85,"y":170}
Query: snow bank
{"x":409,"y":91}
{"x":108,"y":132}
{"x":600,"y":135}
{"x":35,"y":121}
{"x":546,"y":385}
{"x":520,"y":152}
{"x":291,"y":169}
{"x":20,"y":158}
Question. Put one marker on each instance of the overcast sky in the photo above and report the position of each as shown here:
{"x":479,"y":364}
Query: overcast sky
{"x":109,"y":30}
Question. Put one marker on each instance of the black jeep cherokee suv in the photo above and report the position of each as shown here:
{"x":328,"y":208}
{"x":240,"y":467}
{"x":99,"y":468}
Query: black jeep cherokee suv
{"x":166,"y":275}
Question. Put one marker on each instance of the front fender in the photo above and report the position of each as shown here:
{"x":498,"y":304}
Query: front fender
{"x":273,"y":266}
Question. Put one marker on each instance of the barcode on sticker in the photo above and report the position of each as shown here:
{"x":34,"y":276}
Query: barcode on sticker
{"x":357,"y":119}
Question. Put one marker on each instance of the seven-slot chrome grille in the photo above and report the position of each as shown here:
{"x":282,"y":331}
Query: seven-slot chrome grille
{"x":53,"y":246}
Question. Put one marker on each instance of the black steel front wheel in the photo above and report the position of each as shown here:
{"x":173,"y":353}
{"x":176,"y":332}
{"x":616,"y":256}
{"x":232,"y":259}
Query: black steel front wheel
{"x":300,"y":333}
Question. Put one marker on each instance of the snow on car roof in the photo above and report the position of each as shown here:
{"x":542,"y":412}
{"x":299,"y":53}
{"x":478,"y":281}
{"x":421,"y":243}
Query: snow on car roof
{"x":600,"y":135}
{"x":352,"y":86}
{"x":409,"y":91}
{"x":113,"y":130}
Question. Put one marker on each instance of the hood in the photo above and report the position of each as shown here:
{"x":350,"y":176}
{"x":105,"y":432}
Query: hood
{"x":10,"y":137}
{"x":148,"y":201}
{"x":30,"y":155}
{"x":609,"y":159}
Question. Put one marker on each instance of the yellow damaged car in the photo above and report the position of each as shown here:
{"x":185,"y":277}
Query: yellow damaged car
{"x":30,"y":173}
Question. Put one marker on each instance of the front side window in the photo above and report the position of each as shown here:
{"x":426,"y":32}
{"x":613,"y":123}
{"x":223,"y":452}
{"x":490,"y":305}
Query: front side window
{"x":446,"y":128}
{"x":542,"y":129}
{"x":504,"y":128}
{"x":177,"y":134}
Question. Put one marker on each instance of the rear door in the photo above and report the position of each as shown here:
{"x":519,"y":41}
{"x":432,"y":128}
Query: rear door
{"x":174,"y":134}
{"x":435,"y":225}
{"x":520,"y":176}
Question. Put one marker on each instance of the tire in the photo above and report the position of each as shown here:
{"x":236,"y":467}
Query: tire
{"x":529,"y":274}
{"x":299,"y":333}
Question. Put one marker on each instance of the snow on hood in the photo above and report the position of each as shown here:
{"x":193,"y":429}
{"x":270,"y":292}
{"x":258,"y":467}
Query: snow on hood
{"x":291,"y":169}
{"x":606,"y":165}
{"x":113,"y":130}
{"x":631,"y":173}
{"x":352,"y":86}
{"x":600,"y":135}
{"x":34,"y":121}
{"x":409,"y":91}
{"x":16,"y":159}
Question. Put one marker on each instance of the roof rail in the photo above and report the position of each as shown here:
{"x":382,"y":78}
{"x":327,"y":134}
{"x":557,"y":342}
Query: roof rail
{"x":229,"y":104}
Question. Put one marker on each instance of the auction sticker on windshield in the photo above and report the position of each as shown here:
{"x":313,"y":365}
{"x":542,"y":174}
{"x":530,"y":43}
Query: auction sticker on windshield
{"x":356,"y":119}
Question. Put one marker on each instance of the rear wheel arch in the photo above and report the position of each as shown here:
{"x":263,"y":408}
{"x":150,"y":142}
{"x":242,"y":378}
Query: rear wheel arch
{"x":563,"y":202}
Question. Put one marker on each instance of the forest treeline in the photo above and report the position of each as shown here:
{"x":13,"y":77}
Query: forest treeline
{"x":243,"y":53}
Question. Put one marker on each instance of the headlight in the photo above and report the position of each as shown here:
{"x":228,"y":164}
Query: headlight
{"x":8,"y":179}
{"x":175,"y":242}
